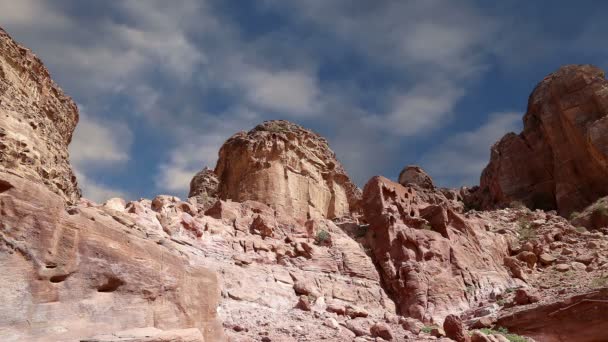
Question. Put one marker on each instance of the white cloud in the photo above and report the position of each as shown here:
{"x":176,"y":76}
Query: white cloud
{"x":97,"y":192}
{"x":195,"y":150}
{"x":422,"y":109}
{"x":460,"y":159}
{"x":98,"y":143}
{"x":288,"y":92}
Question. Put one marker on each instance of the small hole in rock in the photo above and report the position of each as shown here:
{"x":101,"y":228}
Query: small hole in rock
{"x":5,"y":186}
{"x":59,"y":278}
{"x":111,"y":285}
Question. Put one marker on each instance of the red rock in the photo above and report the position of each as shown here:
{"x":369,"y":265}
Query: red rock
{"x":416,"y":263}
{"x":287,"y":167}
{"x":525,"y":296}
{"x":559,"y":161}
{"x":84,"y":267}
{"x":304,"y":304}
{"x":37,"y":121}
{"x":411,"y":324}
{"x":578,"y":318}
{"x":203,"y":187}
{"x":415,"y":175}
{"x":454,"y":329}
{"x":382,"y":330}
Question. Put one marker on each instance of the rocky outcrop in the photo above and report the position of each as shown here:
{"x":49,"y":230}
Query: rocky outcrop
{"x":37,"y":123}
{"x":203,"y":187}
{"x":76,"y":273}
{"x":415,"y":175}
{"x":287,"y":167}
{"x":560,"y":160}
{"x":577,"y":318}
{"x":433,"y":261}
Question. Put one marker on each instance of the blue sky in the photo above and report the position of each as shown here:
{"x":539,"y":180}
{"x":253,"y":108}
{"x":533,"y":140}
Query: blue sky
{"x":161,"y":84}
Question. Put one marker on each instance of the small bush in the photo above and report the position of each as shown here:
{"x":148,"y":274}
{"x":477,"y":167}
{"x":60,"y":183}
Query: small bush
{"x":599,"y":282}
{"x":526,"y":232}
{"x":581,"y":229}
{"x":426,"y":226}
{"x":322,"y":237}
{"x":574,"y":215}
{"x":470,"y":289}
{"x":428,"y":328}
{"x":517,"y":205}
{"x":504,"y":332}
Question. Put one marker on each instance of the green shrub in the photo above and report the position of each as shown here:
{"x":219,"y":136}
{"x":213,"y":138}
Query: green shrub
{"x":599,"y":282}
{"x":426,"y":226}
{"x":504,"y":332}
{"x":322,"y":236}
{"x":526,"y":232}
{"x":581,"y":229}
{"x":428,"y":328}
{"x":574,"y":215}
{"x":517,"y":205}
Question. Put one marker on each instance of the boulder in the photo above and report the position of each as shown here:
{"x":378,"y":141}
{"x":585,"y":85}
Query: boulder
{"x":203,"y":187}
{"x":454,"y":329}
{"x":415,"y":175}
{"x":382,"y":330}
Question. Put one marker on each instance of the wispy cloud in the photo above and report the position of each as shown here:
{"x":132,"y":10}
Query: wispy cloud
{"x":460,"y":159}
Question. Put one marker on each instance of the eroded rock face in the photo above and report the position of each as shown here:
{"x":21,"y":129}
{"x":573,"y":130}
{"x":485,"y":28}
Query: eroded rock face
{"x":559,"y":161}
{"x":577,"y":318}
{"x":72,"y":274}
{"x":203,"y":187}
{"x":37,"y":121}
{"x":433,"y":261}
{"x":287,"y":167}
{"x":413,"y":174}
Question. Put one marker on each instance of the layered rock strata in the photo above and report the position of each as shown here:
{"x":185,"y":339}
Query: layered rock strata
{"x":560,"y":159}
{"x":287,"y":167}
{"x":37,"y":121}
{"x":433,"y":261}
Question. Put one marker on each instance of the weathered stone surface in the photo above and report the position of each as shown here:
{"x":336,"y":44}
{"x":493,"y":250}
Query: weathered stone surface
{"x":560,"y":160}
{"x":203,"y":187}
{"x":577,"y":318}
{"x":415,"y":175}
{"x":150,"y":334}
{"x":37,"y":121}
{"x":291,"y":169}
{"x":455,"y":330}
{"x":71,"y":274}
{"x":427,"y":273}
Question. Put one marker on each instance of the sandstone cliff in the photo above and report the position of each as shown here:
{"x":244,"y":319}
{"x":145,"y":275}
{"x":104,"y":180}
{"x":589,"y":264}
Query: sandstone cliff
{"x":559,"y":161}
{"x":37,"y":123}
{"x":287,"y":167}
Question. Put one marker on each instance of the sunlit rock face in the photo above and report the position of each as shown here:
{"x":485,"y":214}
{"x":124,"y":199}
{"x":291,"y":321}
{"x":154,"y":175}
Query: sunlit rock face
{"x":36,"y":121}
{"x":560,"y":160}
{"x":287,"y":167}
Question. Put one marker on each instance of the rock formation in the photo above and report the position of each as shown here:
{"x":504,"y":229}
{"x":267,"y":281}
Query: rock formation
{"x":272,"y":246}
{"x":203,"y":187}
{"x":433,"y":260}
{"x":287,"y":167}
{"x":71,"y":274}
{"x":415,"y":175}
{"x":37,"y":121}
{"x":560,"y":160}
